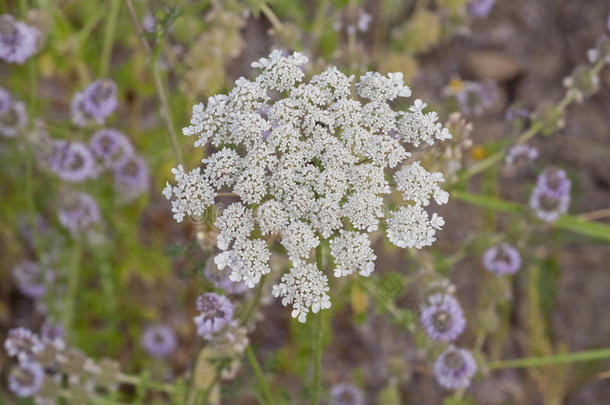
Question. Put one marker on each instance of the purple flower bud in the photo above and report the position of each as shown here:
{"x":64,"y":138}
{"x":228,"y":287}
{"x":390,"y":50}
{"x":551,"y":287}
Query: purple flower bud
{"x":25,"y":379}
{"x":31,"y":279}
{"x":442,"y":318}
{"x":480,"y":8}
{"x":22,"y":343}
{"x":18,"y":41}
{"x":72,"y":161}
{"x":346,"y":394}
{"x":110,"y":146}
{"x":78,"y":211}
{"x":131,"y":176}
{"x":454,"y":368}
{"x":502,"y":259}
{"x":95,"y":103}
{"x":159,"y":340}
{"x":216,"y":311}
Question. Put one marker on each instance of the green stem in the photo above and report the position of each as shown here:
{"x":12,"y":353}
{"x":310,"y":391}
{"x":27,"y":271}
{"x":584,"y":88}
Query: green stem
{"x":589,"y":355}
{"x":166,"y":113}
{"x":109,"y":37}
{"x":253,"y":303}
{"x":136,"y":381}
{"x":73,"y":280}
{"x":259,"y":375}
{"x":277,"y":24}
{"x":318,"y":332}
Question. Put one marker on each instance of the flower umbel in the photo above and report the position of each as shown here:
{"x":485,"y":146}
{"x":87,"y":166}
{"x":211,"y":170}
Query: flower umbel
{"x":309,"y":163}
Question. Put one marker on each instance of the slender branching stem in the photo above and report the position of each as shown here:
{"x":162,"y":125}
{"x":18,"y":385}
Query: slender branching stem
{"x":258,"y":372}
{"x":113,"y":15}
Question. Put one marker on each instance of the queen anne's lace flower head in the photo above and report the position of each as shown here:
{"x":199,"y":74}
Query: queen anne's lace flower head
{"x":454,"y":368}
{"x":215,"y":312}
{"x":502,"y":259}
{"x":18,"y":41}
{"x":309,"y":161}
{"x":159,"y":340}
{"x":442,"y":318}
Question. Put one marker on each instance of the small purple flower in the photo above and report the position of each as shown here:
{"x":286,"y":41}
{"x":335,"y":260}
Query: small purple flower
{"x":159,"y":340}
{"x":443,"y":318}
{"x":221,"y":279}
{"x":553,"y":181}
{"x":18,"y":41}
{"x":502,"y":259}
{"x":472,"y":97}
{"x":78,"y":211}
{"x":22,"y":343}
{"x":548,"y":207}
{"x":149,"y":24}
{"x":96,"y":102}
{"x":346,"y":394}
{"x":31,"y":279}
{"x":216,"y":311}
{"x":72,"y":161}
{"x":25,"y":379}
{"x":131,"y":176}
{"x":110,"y":146}
{"x":13,"y":119}
{"x":454,"y":368}
{"x":521,"y":152}
{"x":513,"y":113}
{"x":480,"y":8}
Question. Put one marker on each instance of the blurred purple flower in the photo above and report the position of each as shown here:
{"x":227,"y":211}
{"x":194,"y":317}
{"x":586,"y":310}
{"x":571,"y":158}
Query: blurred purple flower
{"x":31,"y":279}
{"x":96,"y":102}
{"x":72,"y":161}
{"x":109,"y":147}
{"x":52,"y":334}
{"x":78,"y":211}
{"x":442,"y":318}
{"x":149,"y":24}
{"x":216,"y":311}
{"x":25,"y":379}
{"x":131,"y":176}
{"x":502,"y":259}
{"x":346,"y":394}
{"x":454,"y":368}
{"x":548,"y":207}
{"x":553,"y":181}
{"x":520,"y":151}
{"x":159,"y":340}
{"x":221,"y":279}
{"x":18,"y":41}
{"x":13,"y":117}
{"x":22,"y":343}
{"x":480,"y":8}
{"x":472,"y":97}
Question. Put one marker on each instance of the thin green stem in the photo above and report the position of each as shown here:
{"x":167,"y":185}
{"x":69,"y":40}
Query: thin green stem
{"x":109,"y":37}
{"x":258,"y":372}
{"x":247,"y":314}
{"x":73,"y":281}
{"x":166,"y":113}
{"x":538,"y":126}
{"x":589,"y":355}
{"x":277,"y":24}
{"x":318,"y":333}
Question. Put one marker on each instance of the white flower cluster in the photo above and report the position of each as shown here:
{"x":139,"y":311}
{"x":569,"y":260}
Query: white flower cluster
{"x":310,"y":161}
